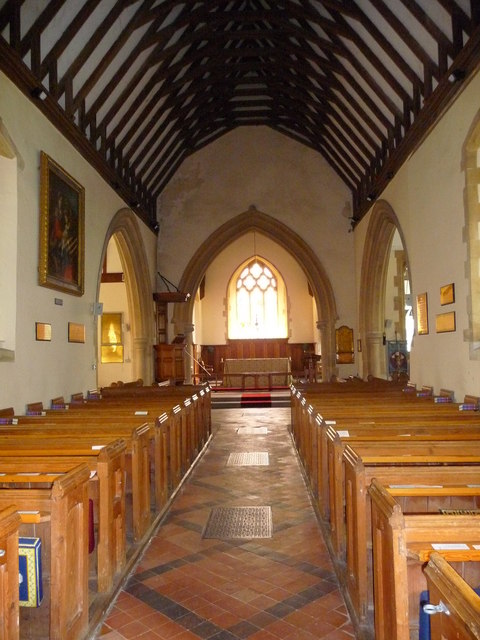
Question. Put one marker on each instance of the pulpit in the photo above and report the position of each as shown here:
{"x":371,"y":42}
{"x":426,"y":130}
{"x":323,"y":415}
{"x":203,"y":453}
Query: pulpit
{"x":169,"y":362}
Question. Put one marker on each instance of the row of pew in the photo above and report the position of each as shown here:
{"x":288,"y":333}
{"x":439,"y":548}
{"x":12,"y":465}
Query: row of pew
{"x":90,"y":479}
{"x":395,"y":476}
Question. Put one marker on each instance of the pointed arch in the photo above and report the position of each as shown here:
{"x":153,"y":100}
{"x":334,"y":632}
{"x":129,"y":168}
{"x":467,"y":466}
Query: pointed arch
{"x":253,"y":220}
{"x":471,"y":168}
{"x":381,"y":229}
{"x":124,"y":226}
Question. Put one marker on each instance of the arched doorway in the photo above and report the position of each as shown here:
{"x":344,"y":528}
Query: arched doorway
{"x":124,"y":227}
{"x":253,"y":220}
{"x":374,"y":323}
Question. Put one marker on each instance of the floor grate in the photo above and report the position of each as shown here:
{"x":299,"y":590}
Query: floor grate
{"x":238,"y":523}
{"x":253,"y":458}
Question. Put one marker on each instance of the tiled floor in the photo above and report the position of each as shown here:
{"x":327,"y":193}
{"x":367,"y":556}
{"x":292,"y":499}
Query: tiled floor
{"x":188,"y":587}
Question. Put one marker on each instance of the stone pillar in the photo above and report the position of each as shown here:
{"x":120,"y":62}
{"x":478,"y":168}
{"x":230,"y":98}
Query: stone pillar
{"x":327,"y":345}
{"x":189,"y":355}
{"x":376,"y":358}
{"x":142,"y":360}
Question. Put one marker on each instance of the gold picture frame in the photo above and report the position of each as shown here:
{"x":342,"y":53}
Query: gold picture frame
{"x":76,"y":332}
{"x":43,"y":331}
{"x":445,"y":322}
{"x":422,"y":314}
{"x":62,"y":229}
{"x":447,"y":294}
{"x":111,"y":338}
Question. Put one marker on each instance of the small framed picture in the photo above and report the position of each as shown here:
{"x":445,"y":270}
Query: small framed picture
{"x":447,"y":294}
{"x":43,"y":331}
{"x":76,"y":332}
{"x":422,"y":314}
{"x":445,"y":322}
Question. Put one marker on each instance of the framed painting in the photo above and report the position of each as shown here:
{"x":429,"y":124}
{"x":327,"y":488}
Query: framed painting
{"x":62,"y":231}
{"x":112,"y":338}
{"x":422,"y":314}
{"x":447,"y":294}
{"x":76,"y":332}
{"x":445,"y":322}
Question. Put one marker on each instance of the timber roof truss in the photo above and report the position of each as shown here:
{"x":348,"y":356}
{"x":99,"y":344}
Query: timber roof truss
{"x":138,"y":86}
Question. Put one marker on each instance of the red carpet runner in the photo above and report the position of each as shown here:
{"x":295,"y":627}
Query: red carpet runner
{"x":255,"y":400}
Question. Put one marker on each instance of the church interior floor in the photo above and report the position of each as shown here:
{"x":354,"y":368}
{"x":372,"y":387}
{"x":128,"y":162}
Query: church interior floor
{"x":278,"y":585}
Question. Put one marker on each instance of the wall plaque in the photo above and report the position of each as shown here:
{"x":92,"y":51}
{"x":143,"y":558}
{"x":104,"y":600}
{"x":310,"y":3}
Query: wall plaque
{"x":422,"y":314}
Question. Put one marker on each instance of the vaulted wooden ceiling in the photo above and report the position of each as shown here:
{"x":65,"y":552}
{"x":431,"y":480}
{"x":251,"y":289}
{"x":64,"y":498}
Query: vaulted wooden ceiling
{"x":138,"y":86}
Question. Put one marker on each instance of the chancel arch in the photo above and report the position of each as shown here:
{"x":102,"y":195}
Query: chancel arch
{"x":256,"y":221}
{"x":384,"y":235}
{"x":9,"y":164}
{"x":124,"y":229}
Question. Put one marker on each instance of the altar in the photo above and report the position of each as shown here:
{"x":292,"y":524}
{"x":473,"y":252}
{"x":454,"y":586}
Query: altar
{"x":257,"y":373}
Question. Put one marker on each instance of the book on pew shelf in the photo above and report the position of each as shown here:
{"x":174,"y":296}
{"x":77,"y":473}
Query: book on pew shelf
{"x":468,"y":407}
{"x":30,"y":571}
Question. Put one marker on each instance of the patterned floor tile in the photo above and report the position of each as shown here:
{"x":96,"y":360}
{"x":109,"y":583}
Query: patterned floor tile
{"x":187,"y":586}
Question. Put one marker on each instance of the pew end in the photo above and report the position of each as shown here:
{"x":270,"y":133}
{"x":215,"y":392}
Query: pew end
{"x":457,"y":605}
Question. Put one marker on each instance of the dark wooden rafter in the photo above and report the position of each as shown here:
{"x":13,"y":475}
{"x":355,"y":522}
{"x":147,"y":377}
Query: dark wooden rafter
{"x":322,"y":72}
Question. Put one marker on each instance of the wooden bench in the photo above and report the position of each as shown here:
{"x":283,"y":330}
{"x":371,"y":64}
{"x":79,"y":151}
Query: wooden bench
{"x":402,"y":544}
{"x":106,"y":490}
{"x":57,"y":440}
{"x":389,"y":442}
{"x":9,"y":607}
{"x":415,"y":487}
{"x":60,"y":519}
{"x":459,"y":617}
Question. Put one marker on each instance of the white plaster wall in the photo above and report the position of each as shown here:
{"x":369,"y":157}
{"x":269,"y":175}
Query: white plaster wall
{"x":427,"y":195}
{"x":283,"y":179}
{"x":43,"y":370}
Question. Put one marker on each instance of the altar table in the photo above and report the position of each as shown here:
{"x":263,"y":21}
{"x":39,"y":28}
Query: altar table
{"x":256,"y":373}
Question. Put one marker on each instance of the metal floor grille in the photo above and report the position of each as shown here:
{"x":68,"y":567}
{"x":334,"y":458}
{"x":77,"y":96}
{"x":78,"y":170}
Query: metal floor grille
{"x":252,"y":431}
{"x":238,"y":523}
{"x":253,"y":458}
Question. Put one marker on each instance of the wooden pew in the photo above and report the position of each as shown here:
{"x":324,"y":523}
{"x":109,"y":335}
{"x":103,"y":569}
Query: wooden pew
{"x":106,"y":489}
{"x":459,"y":617}
{"x":386,"y":441}
{"x":9,"y":608}
{"x":115,"y":423}
{"x":61,"y":520}
{"x":59,"y":440}
{"x":348,"y":494}
{"x":415,"y":487}
{"x":402,"y":543}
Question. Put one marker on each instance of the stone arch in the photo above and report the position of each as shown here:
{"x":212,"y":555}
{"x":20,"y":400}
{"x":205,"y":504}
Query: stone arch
{"x":381,"y":229}
{"x":253,"y":220}
{"x":124,"y":226}
{"x":471,"y":168}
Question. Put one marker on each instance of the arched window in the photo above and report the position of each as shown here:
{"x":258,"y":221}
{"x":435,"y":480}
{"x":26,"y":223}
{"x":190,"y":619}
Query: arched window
{"x":257,"y":306}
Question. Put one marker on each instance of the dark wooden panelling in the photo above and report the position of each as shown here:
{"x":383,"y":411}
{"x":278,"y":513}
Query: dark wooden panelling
{"x":214,"y":354}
